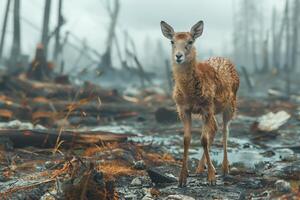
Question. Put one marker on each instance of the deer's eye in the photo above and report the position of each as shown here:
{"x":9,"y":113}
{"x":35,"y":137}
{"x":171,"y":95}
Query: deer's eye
{"x":172,"y":42}
{"x":190,"y":42}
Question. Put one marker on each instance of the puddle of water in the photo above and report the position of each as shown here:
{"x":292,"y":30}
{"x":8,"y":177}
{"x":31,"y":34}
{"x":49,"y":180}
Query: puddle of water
{"x":249,"y":156}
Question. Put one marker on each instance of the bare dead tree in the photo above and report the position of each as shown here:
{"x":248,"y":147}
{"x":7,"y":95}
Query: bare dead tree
{"x":265,"y":53}
{"x":287,"y":35}
{"x":16,"y":48}
{"x":169,"y":76}
{"x":295,"y":42}
{"x":106,"y":62}
{"x":279,"y":37}
{"x":287,"y":49}
{"x":60,"y":22}
{"x":123,"y":61}
{"x":4,"y":28}
{"x":247,"y":78}
{"x":45,"y":31}
{"x":247,"y":19}
{"x":275,"y":41}
{"x":82,"y":53}
{"x":254,"y":56}
{"x":133,"y":54}
{"x":15,"y":56}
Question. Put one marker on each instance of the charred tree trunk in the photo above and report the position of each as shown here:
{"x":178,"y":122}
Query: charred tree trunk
{"x":57,"y":32}
{"x":45,"y":31}
{"x":39,"y":68}
{"x":106,"y":62}
{"x":4,"y":28}
{"x":15,"y":57}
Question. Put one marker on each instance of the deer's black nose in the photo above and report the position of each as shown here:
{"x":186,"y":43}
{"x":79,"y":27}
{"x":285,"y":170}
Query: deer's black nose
{"x":178,"y":56}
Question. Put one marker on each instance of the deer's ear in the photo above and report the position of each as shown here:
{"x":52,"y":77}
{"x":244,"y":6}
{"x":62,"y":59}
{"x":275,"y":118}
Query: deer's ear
{"x":197,"y":29}
{"x":167,"y":30}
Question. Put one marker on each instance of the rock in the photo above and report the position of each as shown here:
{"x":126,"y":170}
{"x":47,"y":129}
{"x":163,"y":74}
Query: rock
{"x":246,"y":145}
{"x":131,"y":197}
{"x":158,"y":177}
{"x":139,"y":165}
{"x":40,"y":127}
{"x":271,"y":121}
{"x":234,"y":171}
{"x":179,"y":197}
{"x":164,"y":115}
{"x":287,"y":155}
{"x":283,"y":186}
{"x":136,"y":182}
{"x":268,"y":153}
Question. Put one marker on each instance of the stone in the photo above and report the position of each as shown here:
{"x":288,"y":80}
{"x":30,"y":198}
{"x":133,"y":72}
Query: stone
{"x":158,"y":177}
{"x":131,"y":197}
{"x":136,"y":182}
{"x":179,"y":197}
{"x":139,"y":165}
{"x":283,"y":186}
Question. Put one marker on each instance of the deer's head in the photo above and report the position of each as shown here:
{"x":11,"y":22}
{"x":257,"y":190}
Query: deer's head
{"x":183,"y":49}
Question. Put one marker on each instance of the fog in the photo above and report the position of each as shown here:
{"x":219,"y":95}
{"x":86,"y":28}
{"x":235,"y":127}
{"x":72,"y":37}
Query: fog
{"x":89,"y":20}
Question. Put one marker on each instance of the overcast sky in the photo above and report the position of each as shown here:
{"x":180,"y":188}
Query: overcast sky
{"x":88,"y":19}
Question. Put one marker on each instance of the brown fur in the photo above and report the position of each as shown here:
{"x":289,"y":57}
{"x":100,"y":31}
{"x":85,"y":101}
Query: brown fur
{"x":180,"y":36}
{"x":205,"y":88}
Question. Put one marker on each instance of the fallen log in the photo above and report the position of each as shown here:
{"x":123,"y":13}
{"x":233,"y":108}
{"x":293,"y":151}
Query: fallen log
{"x":48,"y":138}
{"x":60,"y":91}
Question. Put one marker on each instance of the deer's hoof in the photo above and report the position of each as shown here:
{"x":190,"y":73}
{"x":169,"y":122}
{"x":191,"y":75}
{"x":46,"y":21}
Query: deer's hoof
{"x":211,"y":176}
{"x":183,"y":178}
{"x":225,"y":169}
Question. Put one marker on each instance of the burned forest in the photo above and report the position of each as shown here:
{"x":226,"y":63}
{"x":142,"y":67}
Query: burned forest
{"x":149,"y":100}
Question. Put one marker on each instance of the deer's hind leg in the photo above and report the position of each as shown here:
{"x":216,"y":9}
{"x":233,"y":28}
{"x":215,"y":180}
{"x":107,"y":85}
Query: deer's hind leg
{"x":208,"y":131}
{"x":202,"y":162}
{"x":227,"y":116}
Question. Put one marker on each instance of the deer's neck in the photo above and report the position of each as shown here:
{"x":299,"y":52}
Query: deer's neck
{"x":185,"y":76}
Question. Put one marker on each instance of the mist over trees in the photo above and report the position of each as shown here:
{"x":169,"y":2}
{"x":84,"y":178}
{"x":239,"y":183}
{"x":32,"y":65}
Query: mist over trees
{"x":265,"y":45}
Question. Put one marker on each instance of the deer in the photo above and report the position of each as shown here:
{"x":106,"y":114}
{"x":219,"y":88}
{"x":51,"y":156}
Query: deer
{"x":205,"y":89}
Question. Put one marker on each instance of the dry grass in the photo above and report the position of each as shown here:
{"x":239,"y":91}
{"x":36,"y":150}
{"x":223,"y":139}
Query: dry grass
{"x":117,"y":168}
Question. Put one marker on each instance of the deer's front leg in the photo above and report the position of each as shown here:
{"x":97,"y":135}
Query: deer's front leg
{"x":185,"y":116}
